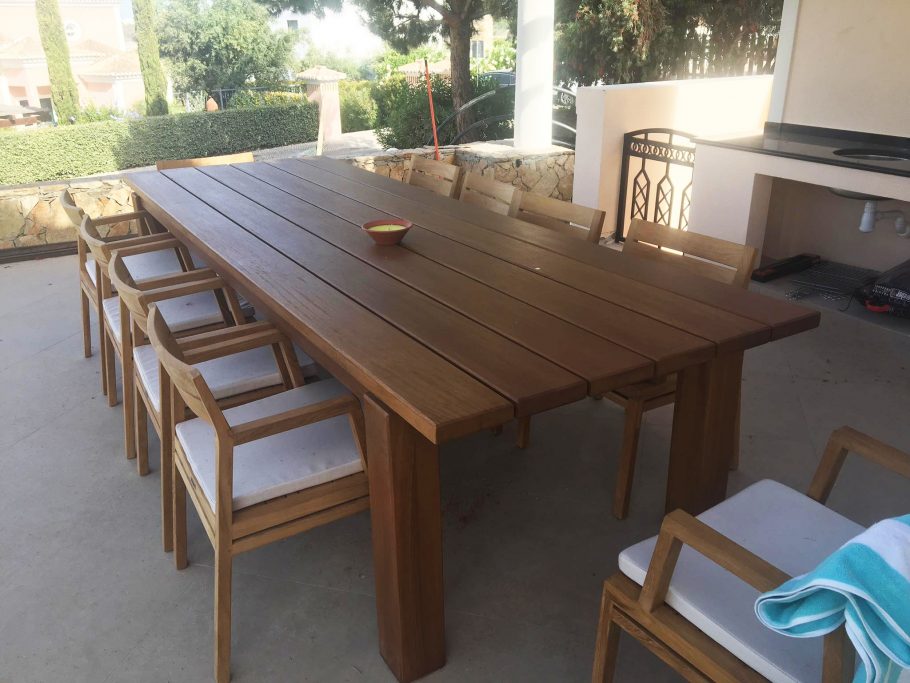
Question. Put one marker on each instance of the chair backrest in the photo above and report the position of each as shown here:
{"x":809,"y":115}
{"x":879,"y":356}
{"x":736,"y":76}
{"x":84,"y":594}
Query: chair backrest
{"x":708,"y":257}
{"x":72,"y":210}
{"x":239,"y":158}
{"x":564,"y":217}
{"x":92,"y":238}
{"x":490,"y":194}
{"x":129,"y":294}
{"x":186,"y":379}
{"x":439,"y":176}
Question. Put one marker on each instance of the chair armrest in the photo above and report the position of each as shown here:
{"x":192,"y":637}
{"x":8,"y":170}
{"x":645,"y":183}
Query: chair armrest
{"x":292,"y":419}
{"x":680,"y":528}
{"x":120,"y":217}
{"x":845,"y":440}
{"x":237,"y":344}
{"x":134,"y":246}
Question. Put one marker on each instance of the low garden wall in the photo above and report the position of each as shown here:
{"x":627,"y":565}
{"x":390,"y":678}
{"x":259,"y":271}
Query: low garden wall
{"x":549,"y":172}
{"x":32,"y":216}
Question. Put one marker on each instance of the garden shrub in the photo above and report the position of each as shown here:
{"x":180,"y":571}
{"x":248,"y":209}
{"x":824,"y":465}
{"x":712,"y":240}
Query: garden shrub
{"x":403,"y":111}
{"x":358,"y":110}
{"x":107,"y":146}
{"x":263,"y":98}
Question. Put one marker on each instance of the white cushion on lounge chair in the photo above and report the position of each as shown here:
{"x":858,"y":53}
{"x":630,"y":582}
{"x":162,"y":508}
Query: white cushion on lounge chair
{"x":144,"y":266}
{"x":281,"y":464}
{"x":228,"y":376}
{"x":181,"y":313}
{"x":784,"y":527}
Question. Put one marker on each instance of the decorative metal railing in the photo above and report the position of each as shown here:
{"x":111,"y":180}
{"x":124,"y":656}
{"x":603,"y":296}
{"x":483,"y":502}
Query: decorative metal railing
{"x":661,"y":151}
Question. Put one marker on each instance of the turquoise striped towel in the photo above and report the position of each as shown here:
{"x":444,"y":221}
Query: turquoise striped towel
{"x":865,"y":584}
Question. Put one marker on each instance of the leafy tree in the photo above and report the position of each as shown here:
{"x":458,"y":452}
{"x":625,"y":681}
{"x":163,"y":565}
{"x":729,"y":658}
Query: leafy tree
{"x":408,"y":24}
{"x":149,"y":58}
{"x":387,"y":63}
{"x":64,"y":93}
{"x":222,"y":44}
{"x":622,"y":41}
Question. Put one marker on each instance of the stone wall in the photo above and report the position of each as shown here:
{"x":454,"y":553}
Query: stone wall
{"x":31,"y":216}
{"x":549,"y":172}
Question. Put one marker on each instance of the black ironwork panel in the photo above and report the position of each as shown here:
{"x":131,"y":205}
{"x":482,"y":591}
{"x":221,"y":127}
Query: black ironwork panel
{"x":675,"y":151}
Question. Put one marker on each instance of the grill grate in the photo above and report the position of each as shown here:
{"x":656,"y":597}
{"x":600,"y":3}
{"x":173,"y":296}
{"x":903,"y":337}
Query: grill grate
{"x":833,"y":281}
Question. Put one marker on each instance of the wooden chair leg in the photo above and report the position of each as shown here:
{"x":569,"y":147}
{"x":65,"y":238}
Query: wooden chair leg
{"x":86,"y":325}
{"x":606,"y":647}
{"x":627,"y":456}
{"x":179,"y":515}
{"x":524,"y":432}
{"x":102,"y":351}
{"x":140,"y":434}
{"x":110,"y":371}
{"x":223,"y":613}
{"x":130,"y":417}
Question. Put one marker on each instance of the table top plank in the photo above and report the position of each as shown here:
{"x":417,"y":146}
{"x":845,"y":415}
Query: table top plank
{"x":784,"y":318}
{"x":438,"y":399}
{"x":604,"y":365}
{"x":669,"y":348}
{"x":530,"y":381}
{"x":728,"y":331}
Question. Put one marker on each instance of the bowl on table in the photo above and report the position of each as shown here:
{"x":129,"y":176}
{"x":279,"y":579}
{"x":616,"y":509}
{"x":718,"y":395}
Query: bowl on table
{"x":387,"y":231}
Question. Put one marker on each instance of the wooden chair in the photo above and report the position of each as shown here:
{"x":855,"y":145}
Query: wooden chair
{"x":239,"y":158}
{"x":439,"y":176}
{"x":88,"y":272}
{"x":260,"y":472}
{"x":688,"y":594}
{"x":564,"y":217}
{"x":153,"y":255}
{"x":490,"y":194}
{"x":262,"y":362}
{"x":704,"y":256}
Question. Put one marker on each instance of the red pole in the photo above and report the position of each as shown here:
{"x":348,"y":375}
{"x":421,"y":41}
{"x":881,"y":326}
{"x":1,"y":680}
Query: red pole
{"x":426,"y":70}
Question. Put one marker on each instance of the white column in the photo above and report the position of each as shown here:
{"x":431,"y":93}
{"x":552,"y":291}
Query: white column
{"x":534,"y":74}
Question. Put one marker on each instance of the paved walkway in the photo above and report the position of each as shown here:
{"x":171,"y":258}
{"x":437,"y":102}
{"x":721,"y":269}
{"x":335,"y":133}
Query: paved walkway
{"x":349,"y":144}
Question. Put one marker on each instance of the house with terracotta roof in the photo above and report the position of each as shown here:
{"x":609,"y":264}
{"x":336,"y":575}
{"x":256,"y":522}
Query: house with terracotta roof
{"x":105,"y":65}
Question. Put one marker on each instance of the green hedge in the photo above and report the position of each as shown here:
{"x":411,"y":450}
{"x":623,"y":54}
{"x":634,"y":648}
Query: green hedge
{"x":104,"y":147}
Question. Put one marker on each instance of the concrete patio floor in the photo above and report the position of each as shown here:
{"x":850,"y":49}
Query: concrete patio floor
{"x":86,"y":594}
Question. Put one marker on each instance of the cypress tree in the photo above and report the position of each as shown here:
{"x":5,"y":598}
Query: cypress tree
{"x":64,"y":92}
{"x":149,"y":58}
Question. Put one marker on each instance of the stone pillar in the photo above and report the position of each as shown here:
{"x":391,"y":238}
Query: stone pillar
{"x":534,"y":74}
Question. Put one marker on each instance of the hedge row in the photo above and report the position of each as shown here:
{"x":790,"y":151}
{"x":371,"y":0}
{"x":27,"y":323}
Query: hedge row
{"x":80,"y":150}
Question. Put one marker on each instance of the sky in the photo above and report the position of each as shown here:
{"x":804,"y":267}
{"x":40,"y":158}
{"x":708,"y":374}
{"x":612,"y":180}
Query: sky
{"x":341,"y":33}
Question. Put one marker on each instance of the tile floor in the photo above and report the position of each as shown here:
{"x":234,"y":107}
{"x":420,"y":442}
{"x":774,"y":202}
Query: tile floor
{"x":87,"y":595}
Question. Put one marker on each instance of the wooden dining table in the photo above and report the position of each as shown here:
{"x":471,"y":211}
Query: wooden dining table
{"x":475,"y":319}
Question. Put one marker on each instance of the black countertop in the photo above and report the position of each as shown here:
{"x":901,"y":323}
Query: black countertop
{"x":819,"y":145}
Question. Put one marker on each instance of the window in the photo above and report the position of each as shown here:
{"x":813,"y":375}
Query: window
{"x":292,"y":25}
{"x":72,"y":30}
{"x":477,"y":49}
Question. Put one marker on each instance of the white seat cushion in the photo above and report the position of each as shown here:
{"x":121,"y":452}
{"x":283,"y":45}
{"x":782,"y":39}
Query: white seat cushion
{"x":228,"y":376}
{"x":144,"y":266}
{"x":181,"y":313}
{"x":276,"y":465}
{"x":784,"y":527}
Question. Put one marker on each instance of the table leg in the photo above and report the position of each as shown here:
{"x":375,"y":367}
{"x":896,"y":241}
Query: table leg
{"x":704,"y":429}
{"x":407,"y":543}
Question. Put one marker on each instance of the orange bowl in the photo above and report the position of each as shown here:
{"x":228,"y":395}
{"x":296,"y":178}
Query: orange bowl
{"x":387,"y":232}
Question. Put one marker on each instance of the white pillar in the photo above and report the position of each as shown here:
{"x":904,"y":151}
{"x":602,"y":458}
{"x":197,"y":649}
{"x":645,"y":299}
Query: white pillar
{"x":534,"y":74}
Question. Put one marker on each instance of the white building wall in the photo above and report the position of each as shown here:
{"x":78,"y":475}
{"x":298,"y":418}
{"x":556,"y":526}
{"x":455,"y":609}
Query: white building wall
{"x":703,"y":107}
